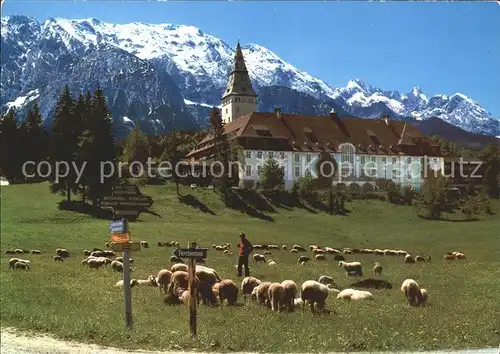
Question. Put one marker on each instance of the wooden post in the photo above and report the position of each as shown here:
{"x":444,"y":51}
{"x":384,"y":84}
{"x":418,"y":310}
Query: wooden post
{"x":192,"y":291}
{"x":127,"y":288}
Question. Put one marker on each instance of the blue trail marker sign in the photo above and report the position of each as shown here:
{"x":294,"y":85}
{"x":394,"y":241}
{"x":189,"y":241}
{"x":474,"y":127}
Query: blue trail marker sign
{"x":118,"y":227}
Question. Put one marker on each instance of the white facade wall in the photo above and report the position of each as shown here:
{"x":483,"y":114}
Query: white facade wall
{"x":402,"y":170}
{"x":237,"y":106}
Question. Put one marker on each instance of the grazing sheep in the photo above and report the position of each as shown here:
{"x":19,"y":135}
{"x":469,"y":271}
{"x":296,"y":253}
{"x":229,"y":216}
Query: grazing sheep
{"x":377,"y":268}
{"x":411,"y":289}
{"x":18,"y":251}
{"x":276,"y":294}
{"x":95,"y":263}
{"x":315,"y":293}
{"x":318,"y":251}
{"x":284,"y":248}
{"x":174,"y":259}
{"x":302,"y":263}
{"x":424,"y":296}
{"x":207,"y":275}
{"x":21,"y":265}
{"x":257,"y":257}
{"x":179,"y":266}
{"x":58,"y":259}
{"x":247,"y":286}
{"x":226,"y":290}
{"x":207,"y":294}
{"x":159,"y":244}
{"x":459,"y":255}
{"x":179,"y":283}
{"x":339,"y":257}
{"x":449,"y":257}
{"x":299,"y":248}
{"x":9,"y":252}
{"x":274,"y":247}
{"x":294,"y":250}
{"x":372,"y":283}
{"x":118,"y":266}
{"x":62,"y":252}
{"x":297,"y":302}
{"x":303,"y":259}
{"x":120,"y":259}
{"x":36,"y":252}
{"x":13,"y":261}
{"x":352,"y":268}
{"x":325,"y":279}
{"x":290,"y":292}
{"x":262,"y":294}
{"x":332,"y":290}
{"x":144,"y":244}
{"x":163,"y":279}
{"x":267,"y":252}
{"x":320,"y":257}
{"x":409,"y":259}
{"x":271,"y":262}
{"x":86,"y":253}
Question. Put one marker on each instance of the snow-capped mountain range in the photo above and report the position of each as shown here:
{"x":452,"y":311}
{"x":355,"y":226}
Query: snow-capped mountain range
{"x":166,"y":76}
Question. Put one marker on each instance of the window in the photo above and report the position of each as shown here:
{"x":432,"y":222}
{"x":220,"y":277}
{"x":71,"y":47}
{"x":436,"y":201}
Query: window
{"x":374,"y":159}
{"x":259,"y":154}
{"x":408,"y":174}
{"x":237,"y":109}
{"x":408,"y":160}
{"x":394,"y":160}
{"x":248,"y":170}
{"x":297,"y":171}
{"x":248,"y":154}
{"x":227,"y":110}
{"x":296,"y":158}
{"x":308,"y":158}
{"x":347,"y":152}
{"x":270,"y":155}
{"x":259,"y":168}
{"x":384,"y":159}
{"x":395,"y":174}
{"x":282,"y":155}
{"x":362,"y":160}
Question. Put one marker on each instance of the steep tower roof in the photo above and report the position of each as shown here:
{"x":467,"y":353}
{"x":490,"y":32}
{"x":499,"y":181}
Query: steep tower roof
{"x":239,"y":81}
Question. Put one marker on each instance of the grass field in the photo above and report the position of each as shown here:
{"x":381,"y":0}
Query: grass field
{"x":71,"y":302}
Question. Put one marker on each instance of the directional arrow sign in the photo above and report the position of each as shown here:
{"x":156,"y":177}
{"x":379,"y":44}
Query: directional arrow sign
{"x":191,"y":252}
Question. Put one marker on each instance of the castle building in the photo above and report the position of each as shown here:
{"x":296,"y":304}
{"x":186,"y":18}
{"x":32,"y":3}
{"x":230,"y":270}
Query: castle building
{"x":364,"y":149}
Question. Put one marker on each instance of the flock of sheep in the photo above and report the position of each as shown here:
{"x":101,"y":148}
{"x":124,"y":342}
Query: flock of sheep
{"x":212,"y":290}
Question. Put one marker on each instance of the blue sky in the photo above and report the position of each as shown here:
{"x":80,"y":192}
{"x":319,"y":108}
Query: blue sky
{"x":443,"y":47}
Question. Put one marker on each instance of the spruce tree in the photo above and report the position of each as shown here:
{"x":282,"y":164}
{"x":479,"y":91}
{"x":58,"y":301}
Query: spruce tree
{"x":272,"y":176}
{"x":136,"y":148}
{"x":64,"y":142}
{"x":222,"y":150}
{"x":10,"y":155}
{"x":173,"y":155}
{"x":98,"y":149}
{"x":34,"y":137}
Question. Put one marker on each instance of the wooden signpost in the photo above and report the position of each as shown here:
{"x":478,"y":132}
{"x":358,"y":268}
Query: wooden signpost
{"x":192,"y":253}
{"x":121,"y":238}
{"x":127,"y":201}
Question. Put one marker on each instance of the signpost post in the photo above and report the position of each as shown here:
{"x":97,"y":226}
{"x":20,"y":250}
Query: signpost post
{"x":192,"y":253}
{"x":121,"y":237}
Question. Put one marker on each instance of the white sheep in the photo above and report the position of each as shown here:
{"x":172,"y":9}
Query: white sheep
{"x":377,"y":268}
{"x":163,"y":279}
{"x":226,"y":289}
{"x":150,"y":281}
{"x":424,"y":296}
{"x":353,"y":294}
{"x":409,"y":258}
{"x":118,"y":266}
{"x":276,"y":294}
{"x":315,"y":293}
{"x":179,"y":266}
{"x":248,"y":284}
{"x":271,"y":262}
{"x":325,"y":279}
{"x":290,"y":292}
{"x":355,"y":268}
{"x":257,"y":257}
{"x":21,"y":265}
{"x":411,"y":289}
{"x":95,"y":263}
{"x":261,"y":293}
{"x":319,"y":257}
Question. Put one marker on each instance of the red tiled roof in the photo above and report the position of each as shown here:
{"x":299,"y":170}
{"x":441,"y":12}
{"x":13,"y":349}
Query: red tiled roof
{"x":326,"y":133}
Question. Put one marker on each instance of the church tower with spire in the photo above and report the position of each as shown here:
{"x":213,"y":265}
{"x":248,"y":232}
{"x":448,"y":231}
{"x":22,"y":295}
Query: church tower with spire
{"x":240,"y":97}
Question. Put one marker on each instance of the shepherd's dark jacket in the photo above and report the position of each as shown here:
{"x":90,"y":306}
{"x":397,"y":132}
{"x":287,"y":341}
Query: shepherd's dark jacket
{"x":245,"y":248}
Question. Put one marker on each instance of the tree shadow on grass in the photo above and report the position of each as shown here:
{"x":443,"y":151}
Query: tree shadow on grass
{"x":192,"y":201}
{"x":234,"y":201}
{"x":85,"y":208}
{"x":448,"y":220}
{"x":255,"y":200}
{"x":147,"y":211}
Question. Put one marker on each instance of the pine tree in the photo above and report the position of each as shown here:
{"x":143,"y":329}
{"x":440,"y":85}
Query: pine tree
{"x":434,"y":197}
{"x":34,"y":137}
{"x":136,"y":148}
{"x":10,"y":157}
{"x":64,"y":142}
{"x":173,"y":155}
{"x":222,"y":149}
{"x":491,"y":156}
{"x":97,"y":149}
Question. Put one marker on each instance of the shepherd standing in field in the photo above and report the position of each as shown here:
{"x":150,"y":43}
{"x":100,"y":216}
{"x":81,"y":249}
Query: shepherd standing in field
{"x":245,"y":249}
